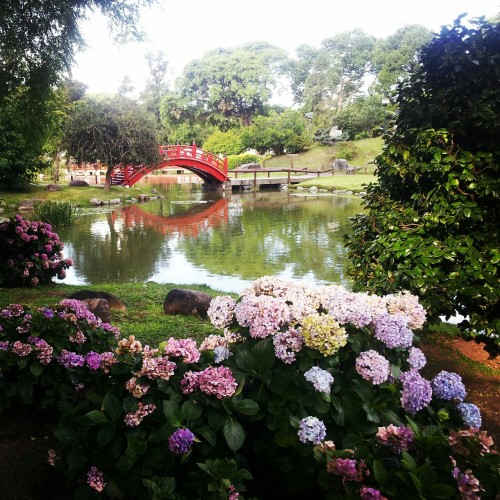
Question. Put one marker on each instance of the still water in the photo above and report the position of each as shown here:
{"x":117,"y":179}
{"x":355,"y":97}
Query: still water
{"x":224,"y":241}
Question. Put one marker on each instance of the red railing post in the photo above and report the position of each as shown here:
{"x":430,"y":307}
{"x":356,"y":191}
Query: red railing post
{"x":225,"y":165}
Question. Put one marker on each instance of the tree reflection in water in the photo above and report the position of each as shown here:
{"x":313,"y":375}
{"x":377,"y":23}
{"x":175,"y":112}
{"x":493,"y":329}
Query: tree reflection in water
{"x":224,"y":241}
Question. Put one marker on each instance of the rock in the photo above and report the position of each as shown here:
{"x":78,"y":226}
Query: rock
{"x":313,"y":189}
{"x":53,"y":187}
{"x":99,"y":308}
{"x":113,"y":301}
{"x":115,"y":201}
{"x":78,"y":183}
{"x":188,"y":302}
{"x":95,"y":202}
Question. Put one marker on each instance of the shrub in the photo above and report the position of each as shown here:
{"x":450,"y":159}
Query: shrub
{"x":310,"y":392}
{"x":346,"y":150}
{"x":226,"y":143}
{"x":37,"y":346}
{"x":56,"y":213}
{"x":30,"y":253}
{"x":236,"y":160}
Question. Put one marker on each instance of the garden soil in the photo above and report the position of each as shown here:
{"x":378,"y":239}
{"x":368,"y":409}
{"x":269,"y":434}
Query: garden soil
{"x":25,"y":437}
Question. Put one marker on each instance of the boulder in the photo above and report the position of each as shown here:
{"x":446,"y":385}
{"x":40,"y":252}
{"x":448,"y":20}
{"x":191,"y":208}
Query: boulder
{"x":113,"y":301}
{"x":78,"y":183}
{"x":99,"y":308}
{"x":187,"y":302}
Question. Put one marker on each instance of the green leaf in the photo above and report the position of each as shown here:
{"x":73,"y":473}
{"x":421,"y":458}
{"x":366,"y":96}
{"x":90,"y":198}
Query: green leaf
{"x":125,"y":463}
{"x":246,"y":407}
{"x":233,"y":433}
{"x":111,"y":406}
{"x":441,"y":490}
{"x":36,"y":369}
{"x":98,"y":417}
{"x":105,"y":435}
{"x":379,"y":472}
{"x":191,"y":410}
{"x":409,"y":462}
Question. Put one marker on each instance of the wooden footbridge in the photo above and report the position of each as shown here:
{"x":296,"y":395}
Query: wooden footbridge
{"x":211,"y":168}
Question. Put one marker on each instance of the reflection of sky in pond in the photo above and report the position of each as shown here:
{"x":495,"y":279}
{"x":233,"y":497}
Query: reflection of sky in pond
{"x":177,"y":269}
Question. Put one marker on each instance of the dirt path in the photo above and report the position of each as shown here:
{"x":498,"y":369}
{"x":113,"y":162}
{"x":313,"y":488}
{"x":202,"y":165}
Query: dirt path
{"x":480,"y":375}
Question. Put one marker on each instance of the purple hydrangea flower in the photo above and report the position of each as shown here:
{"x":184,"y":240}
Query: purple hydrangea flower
{"x":393,"y":331}
{"x":181,"y":441}
{"x":416,"y":358}
{"x":416,"y":393}
{"x":470,"y":414}
{"x":70,"y":359}
{"x":93,"y":360}
{"x":311,"y":430}
{"x":448,"y":386}
{"x":320,"y":379}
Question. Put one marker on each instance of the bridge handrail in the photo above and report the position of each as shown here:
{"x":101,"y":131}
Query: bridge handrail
{"x":185,"y":151}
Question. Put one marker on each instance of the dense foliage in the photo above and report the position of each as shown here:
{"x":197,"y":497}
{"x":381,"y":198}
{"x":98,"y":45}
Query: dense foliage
{"x":310,"y":392}
{"x":112,"y":130}
{"x":431,"y":225}
{"x":30,"y":253}
{"x":226,"y":143}
{"x":38,"y":39}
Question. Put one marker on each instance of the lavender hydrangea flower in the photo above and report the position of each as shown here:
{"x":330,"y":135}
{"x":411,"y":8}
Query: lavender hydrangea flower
{"x":181,"y":441}
{"x":320,"y":379}
{"x":448,"y":386}
{"x":416,"y":393}
{"x":393,"y":331}
{"x":311,"y":430}
{"x":70,"y":359}
{"x":470,"y":414}
{"x":416,"y":358}
{"x":93,"y":360}
{"x":373,"y":366}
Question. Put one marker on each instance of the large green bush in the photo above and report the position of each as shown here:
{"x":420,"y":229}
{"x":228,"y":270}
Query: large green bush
{"x":310,"y":392}
{"x":431,"y":224}
{"x":226,"y":143}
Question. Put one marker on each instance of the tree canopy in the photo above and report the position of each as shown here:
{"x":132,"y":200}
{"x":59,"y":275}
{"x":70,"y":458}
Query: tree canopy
{"x":111,"y":130}
{"x":431,"y":225}
{"x":228,"y":86}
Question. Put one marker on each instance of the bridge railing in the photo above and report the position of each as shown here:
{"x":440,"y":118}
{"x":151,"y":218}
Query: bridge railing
{"x":183,"y":151}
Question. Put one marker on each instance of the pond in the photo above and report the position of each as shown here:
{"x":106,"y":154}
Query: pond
{"x":222,"y":240}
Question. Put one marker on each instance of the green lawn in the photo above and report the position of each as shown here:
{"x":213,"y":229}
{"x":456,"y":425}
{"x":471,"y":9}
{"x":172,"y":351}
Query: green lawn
{"x":143,"y":317}
{"x":355,"y":183}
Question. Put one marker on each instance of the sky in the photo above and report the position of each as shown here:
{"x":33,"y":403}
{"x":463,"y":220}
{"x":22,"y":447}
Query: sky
{"x":185,"y":30}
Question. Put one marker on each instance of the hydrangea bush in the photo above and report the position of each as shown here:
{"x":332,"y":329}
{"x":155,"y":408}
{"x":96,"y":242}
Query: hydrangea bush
{"x":309,"y":392}
{"x":30,"y":253}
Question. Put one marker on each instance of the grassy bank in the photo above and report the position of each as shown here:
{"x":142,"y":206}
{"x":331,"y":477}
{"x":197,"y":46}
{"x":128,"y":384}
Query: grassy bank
{"x":78,"y":195}
{"x":355,"y":183}
{"x":318,"y":157}
{"x":143,"y":317}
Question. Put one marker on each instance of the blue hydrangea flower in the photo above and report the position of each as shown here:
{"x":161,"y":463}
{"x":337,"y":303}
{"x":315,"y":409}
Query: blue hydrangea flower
{"x":311,"y":430}
{"x":448,"y":386}
{"x":470,"y":414}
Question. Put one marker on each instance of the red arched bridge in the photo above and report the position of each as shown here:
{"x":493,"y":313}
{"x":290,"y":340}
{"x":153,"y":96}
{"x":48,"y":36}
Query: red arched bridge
{"x":210,"y":167}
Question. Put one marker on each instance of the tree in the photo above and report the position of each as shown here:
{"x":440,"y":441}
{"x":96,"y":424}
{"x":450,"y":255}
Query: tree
{"x":111,"y":130}
{"x":156,"y":86}
{"x":38,"y":39}
{"x":397,"y":55}
{"x":229,"y":86}
{"x":278,"y":131}
{"x":338,"y":73}
{"x":299,"y":69}
{"x":431,"y":225}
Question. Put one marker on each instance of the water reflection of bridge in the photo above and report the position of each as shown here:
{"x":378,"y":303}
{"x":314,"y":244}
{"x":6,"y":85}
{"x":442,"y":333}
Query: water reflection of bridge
{"x":189,"y":223}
